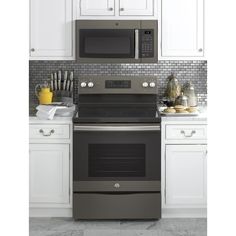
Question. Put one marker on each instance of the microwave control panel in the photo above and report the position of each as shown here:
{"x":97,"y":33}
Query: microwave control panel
{"x":146,"y":43}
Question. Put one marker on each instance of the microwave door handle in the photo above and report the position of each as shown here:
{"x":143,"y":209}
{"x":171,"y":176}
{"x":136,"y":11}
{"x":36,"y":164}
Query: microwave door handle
{"x":136,"y":56}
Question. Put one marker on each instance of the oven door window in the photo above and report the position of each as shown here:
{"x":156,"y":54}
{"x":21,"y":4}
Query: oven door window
{"x":106,"y":43}
{"x":116,"y":160}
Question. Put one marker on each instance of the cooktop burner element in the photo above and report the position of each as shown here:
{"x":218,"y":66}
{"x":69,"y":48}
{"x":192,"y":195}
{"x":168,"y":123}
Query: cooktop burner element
{"x":117,"y":99}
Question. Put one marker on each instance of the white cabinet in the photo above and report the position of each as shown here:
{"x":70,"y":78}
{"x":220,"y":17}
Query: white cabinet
{"x":186,"y":175}
{"x":50,"y":167}
{"x":51,"y":29}
{"x":182,"y":28}
{"x":116,"y":9}
{"x":184,"y":167}
{"x":97,"y":8}
{"x":136,"y":7}
{"x":49,"y":173}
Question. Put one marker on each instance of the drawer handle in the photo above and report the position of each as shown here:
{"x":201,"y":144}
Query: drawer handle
{"x":188,"y":135}
{"x":48,"y":134}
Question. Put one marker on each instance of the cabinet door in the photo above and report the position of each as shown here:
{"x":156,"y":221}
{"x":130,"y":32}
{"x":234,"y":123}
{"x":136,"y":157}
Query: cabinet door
{"x":49,"y":173}
{"x":186,"y":175}
{"x":182,"y":28}
{"x":136,"y":7}
{"x":51,"y":28}
{"x":97,"y":8}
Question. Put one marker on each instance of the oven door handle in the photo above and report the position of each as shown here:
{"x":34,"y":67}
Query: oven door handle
{"x":117,"y":128}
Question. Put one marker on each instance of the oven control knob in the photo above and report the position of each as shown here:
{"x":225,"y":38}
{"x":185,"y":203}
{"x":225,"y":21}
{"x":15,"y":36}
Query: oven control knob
{"x":116,"y":185}
{"x":83,"y":84}
{"x":90,"y":84}
{"x":152,"y":85}
{"x":145,"y":84}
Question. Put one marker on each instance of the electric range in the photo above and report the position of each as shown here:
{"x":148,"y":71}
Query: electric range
{"x":117,"y":149}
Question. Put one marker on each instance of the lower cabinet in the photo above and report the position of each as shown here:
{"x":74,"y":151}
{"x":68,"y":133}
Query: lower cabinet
{"x":49,"y":166}
{"x":186,"y":175}
{"x":184,"y":167}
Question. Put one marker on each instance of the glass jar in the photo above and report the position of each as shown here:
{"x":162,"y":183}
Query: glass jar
{"x":189,"y":91}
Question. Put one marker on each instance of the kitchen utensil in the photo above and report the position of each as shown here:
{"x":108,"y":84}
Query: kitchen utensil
{"x":71,"y":86}
{"x":182,"y":100}
{"x":65,"y":80}
{"x":52,"y":87}
{"x":55,"y":81}
{"x":173,"y":89}
{"x":68,"y":85}
{"x":71,"y":81}
{"x":44,"y":95}
{"x":59,"y":80}
{"x":188,"y":91}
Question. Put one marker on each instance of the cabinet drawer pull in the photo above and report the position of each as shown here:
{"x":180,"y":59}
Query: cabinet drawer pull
{"x":32,"y":49}
{"x":188,"y":135}
{"x":48,"y":134}
{"x":122,"y":9}
{"x":110,"y":9}
{"x":200,"y":49}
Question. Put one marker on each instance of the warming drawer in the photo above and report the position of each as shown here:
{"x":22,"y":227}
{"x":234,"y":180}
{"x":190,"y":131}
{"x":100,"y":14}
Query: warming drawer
{"x":117,"y":206}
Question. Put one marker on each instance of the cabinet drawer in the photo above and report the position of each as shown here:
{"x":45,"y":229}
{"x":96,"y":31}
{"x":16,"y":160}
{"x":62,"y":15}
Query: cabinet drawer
{"x":186,"y":132}
{"x":49,"y":132}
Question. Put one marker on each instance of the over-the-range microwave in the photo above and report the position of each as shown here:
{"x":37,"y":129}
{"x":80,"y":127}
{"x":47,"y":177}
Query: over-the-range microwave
{"x":116,"y":41}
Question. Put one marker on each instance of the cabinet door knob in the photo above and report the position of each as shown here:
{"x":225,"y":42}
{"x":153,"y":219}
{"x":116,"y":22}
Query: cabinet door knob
{"x":32,"y":49}
{"x":122,"y":9}
{"x":110,"y":9}
{"x":200,"y":49}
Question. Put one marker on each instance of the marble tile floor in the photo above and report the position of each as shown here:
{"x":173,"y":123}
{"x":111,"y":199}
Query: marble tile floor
{"x":163,"y":227}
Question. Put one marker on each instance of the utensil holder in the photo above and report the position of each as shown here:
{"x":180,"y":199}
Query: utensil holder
{"x":62,"y":96}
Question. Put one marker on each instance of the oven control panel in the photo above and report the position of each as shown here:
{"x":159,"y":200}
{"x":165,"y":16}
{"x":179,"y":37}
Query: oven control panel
{"x":118,"y":84}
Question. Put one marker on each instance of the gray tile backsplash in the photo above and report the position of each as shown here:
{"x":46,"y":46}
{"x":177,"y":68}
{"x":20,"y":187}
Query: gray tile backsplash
{"x":193,"y":70}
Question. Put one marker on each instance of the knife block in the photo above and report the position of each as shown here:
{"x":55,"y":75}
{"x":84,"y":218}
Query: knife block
{"x":62,"y":96}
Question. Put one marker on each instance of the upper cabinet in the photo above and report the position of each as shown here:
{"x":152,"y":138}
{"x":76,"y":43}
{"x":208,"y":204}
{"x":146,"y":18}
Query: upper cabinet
{"x":182,"y":24}
{"x":97,"y":8}
{"x":51,"y":29}
{"x":114,"y":9}
{"x":136,"y":7}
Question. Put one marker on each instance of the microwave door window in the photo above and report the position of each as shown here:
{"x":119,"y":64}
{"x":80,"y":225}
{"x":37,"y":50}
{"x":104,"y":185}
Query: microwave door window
{"x":107,"y":43}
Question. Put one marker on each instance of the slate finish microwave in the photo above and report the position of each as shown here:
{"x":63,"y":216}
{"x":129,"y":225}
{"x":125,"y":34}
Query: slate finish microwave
{"x":116,"y":41}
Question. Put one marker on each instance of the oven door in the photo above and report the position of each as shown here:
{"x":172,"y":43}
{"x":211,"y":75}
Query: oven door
{"x":123,"y":158}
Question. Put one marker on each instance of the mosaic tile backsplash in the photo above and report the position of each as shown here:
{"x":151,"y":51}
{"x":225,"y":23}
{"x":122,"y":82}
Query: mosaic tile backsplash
{"x":194,"y":71}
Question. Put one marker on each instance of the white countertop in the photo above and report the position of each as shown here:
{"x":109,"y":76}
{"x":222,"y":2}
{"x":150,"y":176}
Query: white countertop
{"x":68,"y":120}
{"x":56,"y":120}
{"x":201,"y":117}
